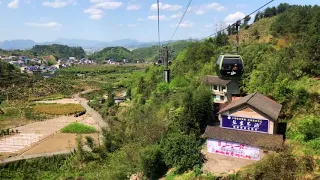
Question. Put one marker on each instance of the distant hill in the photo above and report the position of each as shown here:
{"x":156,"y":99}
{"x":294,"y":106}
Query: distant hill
{"x":59,"y":51}
{"x":146,"y":53}
{"x":151,"y":53}
{"x":116,"y":53}
{"x":89,"y":45}
{"x":17,"y":44}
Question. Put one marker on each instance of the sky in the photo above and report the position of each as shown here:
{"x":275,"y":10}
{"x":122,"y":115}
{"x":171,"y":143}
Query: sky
{"x":109,"y":20}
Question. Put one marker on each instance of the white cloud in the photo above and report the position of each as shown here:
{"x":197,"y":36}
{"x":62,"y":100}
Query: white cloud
{"x":132,"y":25}
{"x":94,"y":13}
{"x":155,"y":17}
{"x":96,"y":10}
{"x":185,"y":24}
{"x":139,"y":19}
{"x":205,"y":7}
{"x":178,"y":15}
{"x":232,"y":18}
{"x":199,"y":12}
{"x":13,"y":4}
{"x":167,"y":7}
{"x":27,"y":2}
{"x":108,"y":5}
{"x":96,"y":16}
{"x":241,"y":6}
{"x":133,"y":7}
{"x":45,"y":25}
{"x":208,"y":25}
{"x":58,"y":3}
{"x":0,"y":2}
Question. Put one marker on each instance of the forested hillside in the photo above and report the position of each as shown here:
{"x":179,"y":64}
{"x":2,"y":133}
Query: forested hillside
{"x":161,"y":128}
{"x":59,"y":51}
{"x":115,"y":53}
{"x":151,"y":53}
{"x":146,"y":54}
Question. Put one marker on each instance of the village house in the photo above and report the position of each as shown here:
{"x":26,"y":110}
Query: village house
{"x":248,"y":128}
{"x":222,"y":90}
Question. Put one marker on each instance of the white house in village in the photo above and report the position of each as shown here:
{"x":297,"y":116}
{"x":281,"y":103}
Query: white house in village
{"x":222,"y":90}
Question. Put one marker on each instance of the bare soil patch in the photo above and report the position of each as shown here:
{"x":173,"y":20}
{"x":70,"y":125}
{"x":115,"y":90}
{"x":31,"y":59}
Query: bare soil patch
{"x":61,"y":101}
{"x":58,"y":142}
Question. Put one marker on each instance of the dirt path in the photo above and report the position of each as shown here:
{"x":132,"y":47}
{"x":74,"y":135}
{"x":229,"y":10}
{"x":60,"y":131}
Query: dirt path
{"x":95,"y":115}
{"x":17,"y":158}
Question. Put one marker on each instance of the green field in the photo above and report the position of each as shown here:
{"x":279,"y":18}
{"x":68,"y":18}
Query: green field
{"x":78,"y":128}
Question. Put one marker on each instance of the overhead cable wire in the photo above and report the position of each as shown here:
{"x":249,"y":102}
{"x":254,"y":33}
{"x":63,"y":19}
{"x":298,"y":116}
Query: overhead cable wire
{"x":240,"y":19}
{"x":158,"y":5}
{"x":181,"y":19}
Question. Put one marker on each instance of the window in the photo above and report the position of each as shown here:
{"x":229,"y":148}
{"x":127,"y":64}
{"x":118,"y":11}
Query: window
{"x":222,"y":98}
{"x":223,"y":88}
{"x":215,"y":87}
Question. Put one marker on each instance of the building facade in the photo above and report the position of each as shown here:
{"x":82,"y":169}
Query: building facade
{"x":222,"y":90}
{"x":248,"y":127}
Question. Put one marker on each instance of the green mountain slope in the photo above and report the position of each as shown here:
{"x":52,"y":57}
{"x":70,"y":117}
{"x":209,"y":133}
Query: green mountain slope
{"x":59,"y":51}
{"x":151,"y":53}
{"x":146,"y":54}
{"x":116,"y":53}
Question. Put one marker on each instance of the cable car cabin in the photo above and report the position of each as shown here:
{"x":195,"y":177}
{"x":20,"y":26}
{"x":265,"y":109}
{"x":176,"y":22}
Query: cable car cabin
{"x":229,"y":67}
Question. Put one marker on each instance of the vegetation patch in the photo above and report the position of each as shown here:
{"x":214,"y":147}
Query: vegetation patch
{"x":78,"y":128}
{"x":59,"y":109}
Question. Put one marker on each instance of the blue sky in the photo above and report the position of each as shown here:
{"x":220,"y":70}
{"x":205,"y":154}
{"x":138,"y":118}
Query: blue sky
{"x":108,"y":20}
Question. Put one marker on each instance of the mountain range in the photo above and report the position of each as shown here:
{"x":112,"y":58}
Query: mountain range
{"x":88,"y":45}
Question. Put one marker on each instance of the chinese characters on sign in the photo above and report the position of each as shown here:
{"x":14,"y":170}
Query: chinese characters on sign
{"x":233,"y":149}
{"x":246,"y":124}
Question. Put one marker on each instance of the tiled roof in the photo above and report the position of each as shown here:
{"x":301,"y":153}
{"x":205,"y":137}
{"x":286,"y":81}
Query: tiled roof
{"x":215,"y":80}
{"x":258,"y":101}
{"x":262,"y":140}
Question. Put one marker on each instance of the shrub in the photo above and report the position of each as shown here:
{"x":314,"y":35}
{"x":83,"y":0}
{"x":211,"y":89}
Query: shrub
{"x":279,"y":165}
{"x":152,"y":162}
{"x":181,"y":151}
{"x":78,"y":128}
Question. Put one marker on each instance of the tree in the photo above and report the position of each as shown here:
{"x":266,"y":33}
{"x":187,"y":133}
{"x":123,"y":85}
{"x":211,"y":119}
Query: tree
{"x":282,"y":7}
{"x":152,"y":162}
{"x":246,"y":21}
{"x":221,"y":39}
{"x":181,"y":151}
{"x":257,"y":17}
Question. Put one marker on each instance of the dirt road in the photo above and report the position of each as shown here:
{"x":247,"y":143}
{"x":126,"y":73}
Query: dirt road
{"x":95,"y":115}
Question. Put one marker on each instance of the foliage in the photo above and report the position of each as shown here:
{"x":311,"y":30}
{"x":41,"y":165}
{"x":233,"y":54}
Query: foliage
{"x":59,"y":109}
{"x":181,"y":151}
{"x":272,"y":11}
{"x":276,"y":165}
{"x":152,"y":162}
{"x":115,"y":53}
{"x":78,"y":128}
{"x":59,"y":51}
{"x":151,"y":53}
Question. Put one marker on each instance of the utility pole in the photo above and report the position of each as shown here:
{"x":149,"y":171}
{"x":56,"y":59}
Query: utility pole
{"x":166,"y":70}
{"x":164,"y":59}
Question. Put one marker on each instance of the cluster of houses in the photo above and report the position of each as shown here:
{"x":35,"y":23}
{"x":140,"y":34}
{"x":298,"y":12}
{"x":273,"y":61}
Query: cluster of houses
{"x":245,"y":127}
{"x":38,"y":66}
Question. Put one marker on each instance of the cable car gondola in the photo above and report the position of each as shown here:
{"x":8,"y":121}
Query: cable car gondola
{"x":229,"y":67}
